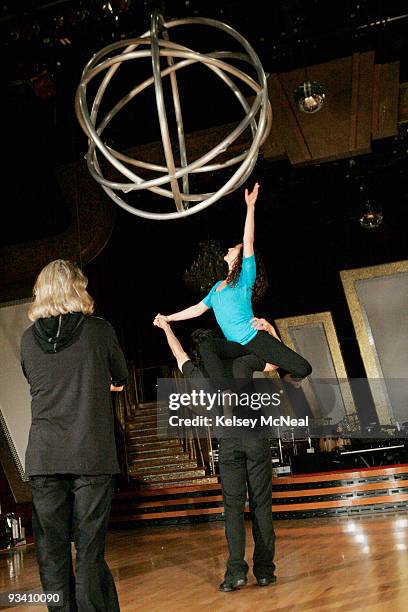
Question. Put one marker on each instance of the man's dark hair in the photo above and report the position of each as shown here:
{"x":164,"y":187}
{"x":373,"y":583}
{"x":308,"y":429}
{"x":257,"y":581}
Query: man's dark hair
{"x":196,"y":338}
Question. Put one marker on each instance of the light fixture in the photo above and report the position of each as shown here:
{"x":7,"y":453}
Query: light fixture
{"x":371,"y":218}
{"x":309,"y":96}
{"x":171,"y":178}
{"x":43,"y":85}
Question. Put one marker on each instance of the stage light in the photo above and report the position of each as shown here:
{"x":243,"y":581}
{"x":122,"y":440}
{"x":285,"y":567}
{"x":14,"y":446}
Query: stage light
{"x":43,"y":85}
{"x":371,"y":217}
{"x":309,"y":96}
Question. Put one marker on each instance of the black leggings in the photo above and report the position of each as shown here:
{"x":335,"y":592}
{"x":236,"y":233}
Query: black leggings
{"x":214,"y":350}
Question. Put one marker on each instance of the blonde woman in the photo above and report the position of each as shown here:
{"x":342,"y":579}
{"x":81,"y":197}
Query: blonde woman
{"x":71,"y":360}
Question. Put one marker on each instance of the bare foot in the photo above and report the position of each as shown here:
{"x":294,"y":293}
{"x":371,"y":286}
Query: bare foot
{"x":270,"y":367}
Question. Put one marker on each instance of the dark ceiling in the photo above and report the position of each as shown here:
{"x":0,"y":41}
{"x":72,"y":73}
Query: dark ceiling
{"x":48,"y":44}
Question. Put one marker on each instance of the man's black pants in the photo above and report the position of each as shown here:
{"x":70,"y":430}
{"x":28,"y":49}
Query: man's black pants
{"x":246,"y":462}
{"x":65,"y":507}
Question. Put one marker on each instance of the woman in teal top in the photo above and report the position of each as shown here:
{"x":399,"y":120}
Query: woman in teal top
{"x":231,"y":300}
{"x":232,"y":303}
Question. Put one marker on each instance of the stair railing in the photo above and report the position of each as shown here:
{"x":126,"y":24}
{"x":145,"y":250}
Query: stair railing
{"x":198,"y":448}
{"x":122,"y":411}
{"x":141,"y":390}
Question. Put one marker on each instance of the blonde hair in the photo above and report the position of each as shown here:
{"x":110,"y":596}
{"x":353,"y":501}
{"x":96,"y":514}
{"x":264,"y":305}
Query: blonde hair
{"x":60,"y":288}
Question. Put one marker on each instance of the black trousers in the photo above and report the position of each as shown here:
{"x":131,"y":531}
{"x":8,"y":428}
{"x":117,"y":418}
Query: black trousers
{"x":246,"y":463}
{"x":214,"y":350}
{"x":65,"y":507}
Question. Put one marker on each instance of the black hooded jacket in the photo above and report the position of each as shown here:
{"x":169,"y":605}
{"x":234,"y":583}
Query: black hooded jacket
{"x":70,"y":362}
{"x":54,"y":333}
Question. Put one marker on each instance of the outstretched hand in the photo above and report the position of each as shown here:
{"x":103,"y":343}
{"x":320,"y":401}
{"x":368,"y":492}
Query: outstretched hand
{"x":250,"y":198}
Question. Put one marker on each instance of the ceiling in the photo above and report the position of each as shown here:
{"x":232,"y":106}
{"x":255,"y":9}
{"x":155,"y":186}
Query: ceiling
{"x":48,"y":44}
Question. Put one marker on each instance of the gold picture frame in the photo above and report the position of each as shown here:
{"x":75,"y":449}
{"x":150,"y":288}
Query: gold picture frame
{"x":370,"y":311}
{"x":15,"y":401}
{"x":327,"y":362}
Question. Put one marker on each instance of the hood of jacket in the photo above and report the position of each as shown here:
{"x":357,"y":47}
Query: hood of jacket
{"x":56,"y":333}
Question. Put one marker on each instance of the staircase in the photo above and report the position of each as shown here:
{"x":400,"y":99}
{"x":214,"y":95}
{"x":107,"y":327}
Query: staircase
{"x":156,"y":461}
{"x":336,"y":493}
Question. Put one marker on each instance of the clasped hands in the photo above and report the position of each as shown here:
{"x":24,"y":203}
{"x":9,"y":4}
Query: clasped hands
{"x":161,"y":321}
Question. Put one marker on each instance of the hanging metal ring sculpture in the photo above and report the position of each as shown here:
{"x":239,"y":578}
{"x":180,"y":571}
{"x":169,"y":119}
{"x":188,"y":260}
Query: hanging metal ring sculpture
{"x":149,"y":44}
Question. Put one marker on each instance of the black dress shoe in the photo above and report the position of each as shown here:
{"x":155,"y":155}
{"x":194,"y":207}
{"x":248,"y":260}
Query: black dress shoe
{"x":266,"y":581}
{"x":232,"y":585}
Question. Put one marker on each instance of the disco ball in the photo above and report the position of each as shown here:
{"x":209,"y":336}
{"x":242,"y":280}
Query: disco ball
{"x":257,"y":116}
{"x":309,"y":96}
{"x":371,"y":218}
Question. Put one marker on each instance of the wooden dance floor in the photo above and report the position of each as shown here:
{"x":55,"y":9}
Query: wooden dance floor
{"x":343,"y":564}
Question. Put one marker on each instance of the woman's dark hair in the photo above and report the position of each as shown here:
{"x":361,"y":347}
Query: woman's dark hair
{"x":261,"y":282}
{"x":207,"y":268}
{"x":196,"y":338}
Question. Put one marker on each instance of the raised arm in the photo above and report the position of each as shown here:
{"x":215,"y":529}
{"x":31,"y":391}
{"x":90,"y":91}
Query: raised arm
{"x":189,"y":313}
{"x":178,"y":352}
{"x":249,"y":229}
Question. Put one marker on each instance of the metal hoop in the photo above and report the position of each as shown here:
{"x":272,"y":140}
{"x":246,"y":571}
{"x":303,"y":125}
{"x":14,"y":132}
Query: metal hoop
{"x":110,"y":60}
